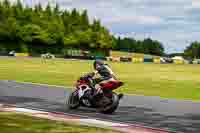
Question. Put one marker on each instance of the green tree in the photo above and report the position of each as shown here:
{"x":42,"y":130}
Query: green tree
{"x":147,"y":46}
{"x":39,"y":30}
{"x":84,"y":20}
{"x":193,"y":50}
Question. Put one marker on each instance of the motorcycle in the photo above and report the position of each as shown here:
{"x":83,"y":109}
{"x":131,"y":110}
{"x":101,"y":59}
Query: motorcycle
{"x":106,"y":102}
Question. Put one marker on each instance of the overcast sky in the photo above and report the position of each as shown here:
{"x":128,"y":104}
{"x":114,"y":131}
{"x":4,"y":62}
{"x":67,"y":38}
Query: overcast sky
{"x":173,"y":22}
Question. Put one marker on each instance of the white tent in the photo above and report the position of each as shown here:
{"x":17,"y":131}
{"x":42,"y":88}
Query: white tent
{"x":177,"y":58}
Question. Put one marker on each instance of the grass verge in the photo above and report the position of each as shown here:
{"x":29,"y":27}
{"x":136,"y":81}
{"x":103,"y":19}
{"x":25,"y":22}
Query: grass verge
{"x":18,"y":123}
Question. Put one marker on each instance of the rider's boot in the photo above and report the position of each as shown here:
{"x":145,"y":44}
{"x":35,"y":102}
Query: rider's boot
{"x":120,"y":95}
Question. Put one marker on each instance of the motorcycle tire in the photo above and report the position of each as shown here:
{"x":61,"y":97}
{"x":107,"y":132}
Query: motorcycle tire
{"x":73,"y":101}
{"x":109,"y":109}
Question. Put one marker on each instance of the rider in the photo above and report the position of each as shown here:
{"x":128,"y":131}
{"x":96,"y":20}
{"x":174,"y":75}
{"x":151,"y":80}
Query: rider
{"x":106,"y":75}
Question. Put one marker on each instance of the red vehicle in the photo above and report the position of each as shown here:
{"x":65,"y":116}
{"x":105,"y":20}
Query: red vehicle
{"x":106,"y":102}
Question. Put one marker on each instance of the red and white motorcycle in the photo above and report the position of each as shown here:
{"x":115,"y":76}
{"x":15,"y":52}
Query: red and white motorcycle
{"x":106,"y":102}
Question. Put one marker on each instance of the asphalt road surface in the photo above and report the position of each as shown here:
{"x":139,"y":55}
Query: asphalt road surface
{"x":178,"y":116}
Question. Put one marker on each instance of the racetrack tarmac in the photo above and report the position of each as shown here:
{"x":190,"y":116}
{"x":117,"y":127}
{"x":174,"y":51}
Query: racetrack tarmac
{"x":174,"y":115}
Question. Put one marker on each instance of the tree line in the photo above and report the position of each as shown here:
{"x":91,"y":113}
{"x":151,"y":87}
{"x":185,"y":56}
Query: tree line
{"x":146,"y":46}
{"x":193,"y":50}
{"x":38,"y":30}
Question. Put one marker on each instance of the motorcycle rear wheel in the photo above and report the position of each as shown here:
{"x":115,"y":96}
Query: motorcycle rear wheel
{"x":109,"y":109}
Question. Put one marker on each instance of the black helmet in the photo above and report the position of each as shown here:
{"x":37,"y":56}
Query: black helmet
{"x":97,"y":62}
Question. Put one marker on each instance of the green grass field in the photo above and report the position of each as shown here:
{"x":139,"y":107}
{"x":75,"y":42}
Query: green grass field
{"x":164,"y":80}
{"x":17,"y":123}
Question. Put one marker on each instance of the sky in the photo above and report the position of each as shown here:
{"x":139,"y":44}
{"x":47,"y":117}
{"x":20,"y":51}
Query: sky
{"x":175,"y":23}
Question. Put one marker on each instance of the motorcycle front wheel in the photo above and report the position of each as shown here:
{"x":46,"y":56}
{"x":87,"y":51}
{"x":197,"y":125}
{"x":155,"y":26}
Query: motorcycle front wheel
{"x":73,"y":101}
